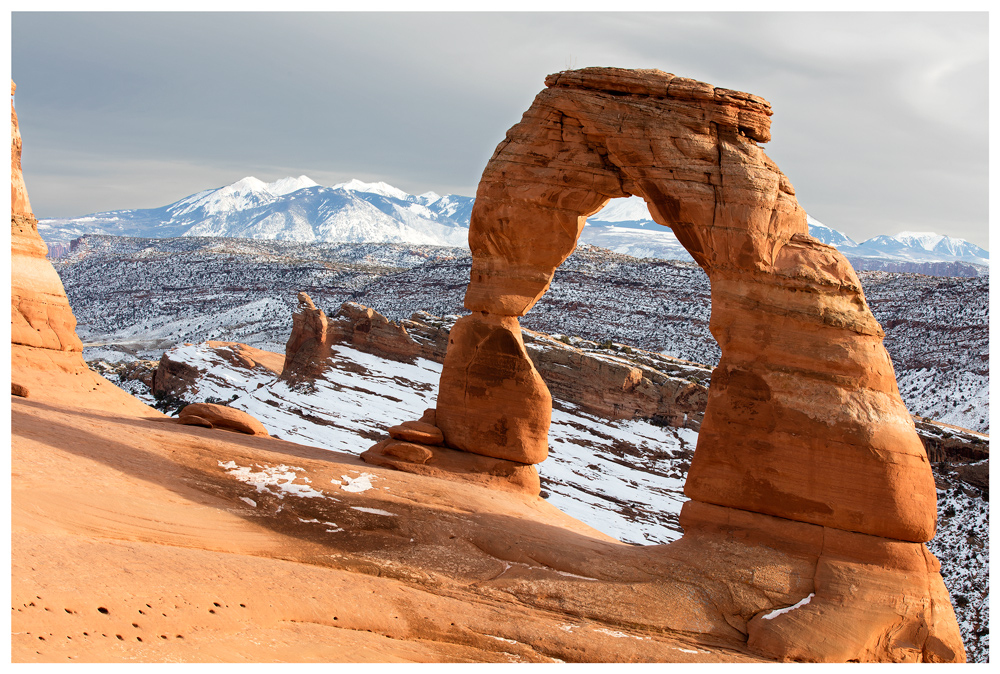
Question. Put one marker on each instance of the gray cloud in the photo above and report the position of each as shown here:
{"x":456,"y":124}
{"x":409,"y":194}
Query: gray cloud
{"x":880,"y":118}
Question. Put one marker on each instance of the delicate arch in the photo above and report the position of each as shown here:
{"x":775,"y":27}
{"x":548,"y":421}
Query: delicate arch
{"x":804,"y":419}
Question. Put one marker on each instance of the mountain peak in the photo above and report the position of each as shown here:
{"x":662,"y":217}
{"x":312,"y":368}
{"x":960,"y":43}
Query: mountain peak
{"x":244,"y":185}
{"x":288,"y":185}
{"x":925,"y":240}
{"x":384,"y":189}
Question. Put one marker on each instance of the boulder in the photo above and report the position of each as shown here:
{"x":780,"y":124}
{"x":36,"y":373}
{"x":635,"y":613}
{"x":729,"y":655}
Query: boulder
{"x":194,"y":420}
{"x":408,"y":451}
{"x":220,"y":416}
{"x":450,"y":464}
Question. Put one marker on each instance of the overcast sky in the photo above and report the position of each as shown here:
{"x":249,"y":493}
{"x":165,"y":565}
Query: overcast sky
{"x":880,"y":119}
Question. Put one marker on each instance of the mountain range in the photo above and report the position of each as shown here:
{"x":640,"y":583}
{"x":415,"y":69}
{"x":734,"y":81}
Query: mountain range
{"x":300,"y":210}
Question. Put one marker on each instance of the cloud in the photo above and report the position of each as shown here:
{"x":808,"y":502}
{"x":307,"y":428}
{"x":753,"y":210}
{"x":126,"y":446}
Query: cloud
{"x":871,"y":109}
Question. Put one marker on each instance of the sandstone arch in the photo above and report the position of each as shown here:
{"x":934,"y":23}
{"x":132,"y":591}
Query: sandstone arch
{"x":809,"y":486}
{"x":804,"y":419}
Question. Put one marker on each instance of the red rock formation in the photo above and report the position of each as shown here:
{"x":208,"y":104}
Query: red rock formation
{"x":499,"y":405}
{"x":220,"y":416}
{"x":805,"y":447}
{"x":46,"y":354}
{"x":40,"y":315}
{"x":357,"y":326}
{"x":308,"y":346}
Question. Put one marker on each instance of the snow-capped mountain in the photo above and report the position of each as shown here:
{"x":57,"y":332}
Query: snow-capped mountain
{"x":299,"y":209}
{"x":625,"y":226}
{"x":290,"y":209}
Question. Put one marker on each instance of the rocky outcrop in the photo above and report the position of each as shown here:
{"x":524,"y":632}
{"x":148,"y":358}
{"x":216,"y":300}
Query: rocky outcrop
{"x":308,"y":346}
{"x":944,"y":442}
{"x":174,"y":378}
{"x":46,"y":354}
{"x":806,"y":445}
{"x":362,"y":328}
{"x":220,"y":416}
{"x":40,"y":315}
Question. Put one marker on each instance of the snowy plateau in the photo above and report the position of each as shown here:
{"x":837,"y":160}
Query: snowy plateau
{"x":298,"y":209}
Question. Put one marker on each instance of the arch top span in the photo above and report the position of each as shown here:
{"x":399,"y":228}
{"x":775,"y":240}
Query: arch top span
{"x":687,"y":148}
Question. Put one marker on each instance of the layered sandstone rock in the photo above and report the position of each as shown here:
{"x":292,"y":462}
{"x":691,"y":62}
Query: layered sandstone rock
{"x":805,"y":447}
{"x":804,"y":420}
{"x":220,"y":416}
{"x":308,"y":346}
{"x":46,"y":354}
{"x":498,"y":404}
{"x":40,"y":315}
{"x":365,"y":329}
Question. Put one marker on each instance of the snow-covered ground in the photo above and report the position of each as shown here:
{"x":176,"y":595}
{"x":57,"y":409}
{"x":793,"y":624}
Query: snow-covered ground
{"x":624,"y":478}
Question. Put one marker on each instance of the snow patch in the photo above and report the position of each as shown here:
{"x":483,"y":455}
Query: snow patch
{"x":779,"y":611}
{"x":620,"y":635}
{"x":269,"y":478}
{"x":358,"y":484}
{"x":374,"y":511}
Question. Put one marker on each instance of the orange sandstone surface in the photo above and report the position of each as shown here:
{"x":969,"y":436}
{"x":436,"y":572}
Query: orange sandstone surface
{"x":135,"y":538}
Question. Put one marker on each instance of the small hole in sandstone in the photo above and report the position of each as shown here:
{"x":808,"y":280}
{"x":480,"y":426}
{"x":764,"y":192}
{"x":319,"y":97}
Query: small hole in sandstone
{"x":138,"y":638}
{"x":148,"y":606}
{"x":163,"y":636}
{"x":135,"y":625}
{"x":41,"y":638}
{"x":211,"y":610}
{"x":217,"y":604}
{"x":141,"y":613}
{"x":67,"y":610}
{"x":85,"y":634}
{"x":243,"y":605}
{"x":101,"y":609}
{"x":180,"y":636}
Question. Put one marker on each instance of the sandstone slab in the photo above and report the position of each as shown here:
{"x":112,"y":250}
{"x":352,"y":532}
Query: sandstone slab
{"x":417,"y":431}
{"x":450,"y":464}
{"x":220,"y":416}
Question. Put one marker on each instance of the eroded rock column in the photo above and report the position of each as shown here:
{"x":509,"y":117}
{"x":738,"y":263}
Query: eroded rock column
{"x":40,"y":315}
